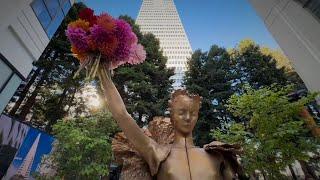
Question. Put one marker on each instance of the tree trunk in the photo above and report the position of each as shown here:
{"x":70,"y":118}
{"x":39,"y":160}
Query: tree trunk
{"x":59,"y":111}
{"x":49,"y":62}
{"x":31,"y":100}
{"x":62,"y":97}
{"x":71,"y":100}
{"x":308,"y":171}
{"x":264,"y":175}
{"x":292,"y":173}
{"x":66,"y":89}
{"x":24,"y":92}
{"x":139,"y":122}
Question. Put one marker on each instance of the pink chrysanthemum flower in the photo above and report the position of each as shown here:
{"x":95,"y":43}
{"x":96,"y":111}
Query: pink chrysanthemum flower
{"x":104,"y":40}
{"x":137,"y":54}
{"x":78,"y":38}
{"x":133,"y":38}
{"x":123,"y":34}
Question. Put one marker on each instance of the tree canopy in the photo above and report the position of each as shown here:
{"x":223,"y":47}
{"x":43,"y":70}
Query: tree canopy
{"x":276,"y":134}
{"x":217,"y":74}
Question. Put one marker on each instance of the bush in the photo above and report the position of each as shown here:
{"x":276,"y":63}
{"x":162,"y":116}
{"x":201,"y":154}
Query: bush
{"x":83,"y":147}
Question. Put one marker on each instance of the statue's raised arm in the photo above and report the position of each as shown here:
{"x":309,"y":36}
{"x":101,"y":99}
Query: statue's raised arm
{"x":151,"y":152}
{"x":117,"y":108}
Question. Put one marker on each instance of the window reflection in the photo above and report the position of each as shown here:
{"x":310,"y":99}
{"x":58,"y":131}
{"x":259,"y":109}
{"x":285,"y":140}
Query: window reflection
{"x":55,"y":23}
{"x":65,"y":7}
{"x":50,"y":13}
{"x":52,"y":6}
{"x":41,"y":12}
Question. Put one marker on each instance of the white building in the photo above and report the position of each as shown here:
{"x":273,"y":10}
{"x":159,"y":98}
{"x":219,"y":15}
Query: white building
{"x":26,"y":27}
{"x":295,"y":25}
{"x":161,"y":18}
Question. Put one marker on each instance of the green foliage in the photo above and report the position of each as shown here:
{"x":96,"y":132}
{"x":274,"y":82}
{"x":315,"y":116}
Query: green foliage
{"x":218,"y":73}
{"x":283,"y":62}
{"x":145,"y":88}
{"x":275,"y":135}
{"x":209,"y":75}
{"x":255,"y":68}
{"x":83,"y":146}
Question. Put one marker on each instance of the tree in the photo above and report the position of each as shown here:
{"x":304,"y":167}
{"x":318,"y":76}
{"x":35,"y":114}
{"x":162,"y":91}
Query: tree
{"x":83,"y":147}
{"x":209,"y":75}
{"x":145,"y":88}
{"x":275,"y":136}
{"x":255,"y":68}
{"x":283,"y":62}
{"x":217,"y":74}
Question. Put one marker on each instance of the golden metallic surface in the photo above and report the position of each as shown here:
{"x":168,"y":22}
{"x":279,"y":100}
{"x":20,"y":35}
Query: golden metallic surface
{"x":180,"y":160}
{"x":190,"y":164}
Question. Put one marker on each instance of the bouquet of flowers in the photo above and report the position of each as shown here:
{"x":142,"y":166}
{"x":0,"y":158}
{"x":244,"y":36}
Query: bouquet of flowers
{"x":103,"y":42}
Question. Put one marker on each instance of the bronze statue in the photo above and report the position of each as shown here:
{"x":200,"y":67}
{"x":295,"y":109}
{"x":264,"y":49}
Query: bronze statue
{"x":172,"y":157}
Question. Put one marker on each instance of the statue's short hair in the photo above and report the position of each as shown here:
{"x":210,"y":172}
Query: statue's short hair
{"x":195,"y":97}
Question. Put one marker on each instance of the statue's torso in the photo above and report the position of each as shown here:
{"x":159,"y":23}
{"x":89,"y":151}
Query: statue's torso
{"x":203,"y":165}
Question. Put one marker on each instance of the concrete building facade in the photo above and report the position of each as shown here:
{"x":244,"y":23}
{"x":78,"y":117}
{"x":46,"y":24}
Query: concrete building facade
{"x":161,"y":18}
{"x":26,"y":27}
{"x":295,"y":25}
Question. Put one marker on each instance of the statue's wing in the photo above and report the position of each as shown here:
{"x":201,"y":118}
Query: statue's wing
{"x":229,"y":152}
{"x":133,"y":166}
{"x":161,"y":130}
{"x":234,"y":149}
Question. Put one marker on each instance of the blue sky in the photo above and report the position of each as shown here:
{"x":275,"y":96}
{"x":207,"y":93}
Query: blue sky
{"x":206,"y":22}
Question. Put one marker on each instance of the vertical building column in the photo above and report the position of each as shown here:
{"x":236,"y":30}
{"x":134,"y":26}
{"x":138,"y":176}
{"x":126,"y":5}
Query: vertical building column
{"x":295,"y":25}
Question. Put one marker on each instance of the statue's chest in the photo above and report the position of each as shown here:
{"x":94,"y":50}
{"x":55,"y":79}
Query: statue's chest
{"x":191,"y":164}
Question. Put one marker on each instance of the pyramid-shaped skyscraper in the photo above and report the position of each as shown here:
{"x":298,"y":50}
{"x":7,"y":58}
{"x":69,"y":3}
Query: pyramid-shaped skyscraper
{"x":161,"y":18}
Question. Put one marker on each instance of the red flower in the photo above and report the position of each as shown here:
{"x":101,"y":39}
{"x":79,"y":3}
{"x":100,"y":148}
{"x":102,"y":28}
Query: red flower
{"x":87,"y":14}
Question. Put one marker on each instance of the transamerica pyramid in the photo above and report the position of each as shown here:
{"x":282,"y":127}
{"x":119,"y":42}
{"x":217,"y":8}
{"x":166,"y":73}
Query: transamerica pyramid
{"x":25,"y":168}
{"x":161,"y":18}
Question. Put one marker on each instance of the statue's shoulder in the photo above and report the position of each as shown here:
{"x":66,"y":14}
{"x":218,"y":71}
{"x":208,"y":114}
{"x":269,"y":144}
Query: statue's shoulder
{"x":229,"y":153}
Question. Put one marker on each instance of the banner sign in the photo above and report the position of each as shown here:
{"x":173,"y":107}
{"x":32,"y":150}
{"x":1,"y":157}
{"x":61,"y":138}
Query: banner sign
{"x":21,"y":149}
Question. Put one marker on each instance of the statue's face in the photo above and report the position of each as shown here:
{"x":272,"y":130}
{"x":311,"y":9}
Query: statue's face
{"x":184,"y":114}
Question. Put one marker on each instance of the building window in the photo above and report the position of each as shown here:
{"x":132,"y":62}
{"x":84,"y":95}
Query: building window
{"x":50,"y":13}
{"x":312,"y":5}
{"x":7,"y":71}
